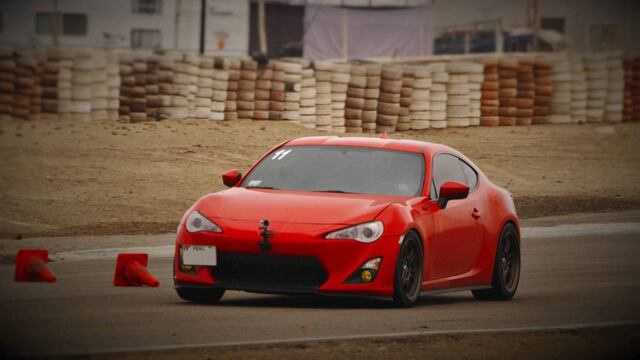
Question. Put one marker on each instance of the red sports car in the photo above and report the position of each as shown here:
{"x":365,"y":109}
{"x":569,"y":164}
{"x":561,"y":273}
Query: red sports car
{"x":352,"y":216}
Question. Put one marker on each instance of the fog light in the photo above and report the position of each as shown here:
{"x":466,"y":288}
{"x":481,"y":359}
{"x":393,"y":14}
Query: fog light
{"x":366,"y":273}
{"x":185,"y":268}
{"x":366,"y":276}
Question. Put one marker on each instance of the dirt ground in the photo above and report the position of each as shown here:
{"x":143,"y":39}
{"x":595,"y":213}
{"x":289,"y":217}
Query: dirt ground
{"x":69,"y":178}
{"x":621,"y":342}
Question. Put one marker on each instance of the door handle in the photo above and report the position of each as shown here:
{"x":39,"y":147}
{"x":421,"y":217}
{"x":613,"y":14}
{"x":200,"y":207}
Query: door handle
{"x":475,"y":214}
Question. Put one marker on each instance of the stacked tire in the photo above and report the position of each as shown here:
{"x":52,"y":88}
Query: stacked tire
{"x":65,"y":66}
{"x":231,"y":104}
{"x":292,"y":87}
{"x":35,"y":111}
{"x":339,"y":84}
{"x":476,"y":78}
{"x":508,"y":90}
{"x":152,"y":91}
{"x":49,"y":85}
{"x":138,"y":96}
{"x":127,"y":83}
{"x":219,"y":94}
{"x":526,"y":93}
{"x":24,"y":85}
{"x":81,"y":79}
{"x":113,"y":85}
{"x":7,"y":82}
{"x":544,"y":88}
{"x":371,"y":94}
{"x":628,"y":85}
{"x":322,"y":71}
{"x":308,"y":97}
{"x":614,"y":105}
{"x":99,"y":86}
{"x":404,"y":116}
{"x":438,"y":96}
{"x":635,"y":89}
{"x":276,"y":97}
{"x":205,"y":90}
{"x":597,"y":83}
{"x":246,"y":89}
{"x":193,"y":71}
{"x":561,"y":96}
{"x":579,"y":93}
{"x":262,"y":96}
{"x":389,"y":99}
{"x":489,"y":103}
{"x":166,"y":88}
{"x":355,"y":99}
{"x":420,"y":94}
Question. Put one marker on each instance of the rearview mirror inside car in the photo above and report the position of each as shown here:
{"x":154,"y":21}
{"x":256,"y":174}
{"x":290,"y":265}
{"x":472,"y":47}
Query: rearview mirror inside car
{"x":231,"y":178}
{"x":452,"y":190}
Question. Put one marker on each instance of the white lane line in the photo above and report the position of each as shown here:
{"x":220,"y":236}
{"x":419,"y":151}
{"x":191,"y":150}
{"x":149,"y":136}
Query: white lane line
{"x":623,"y":228}
{"x":167,"y":251}
{"x":379,"y":336}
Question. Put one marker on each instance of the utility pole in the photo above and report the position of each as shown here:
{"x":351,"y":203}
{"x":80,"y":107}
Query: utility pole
{"x":203,"y":19}
{"x":55,"y":24}
{"x":262,"y":27}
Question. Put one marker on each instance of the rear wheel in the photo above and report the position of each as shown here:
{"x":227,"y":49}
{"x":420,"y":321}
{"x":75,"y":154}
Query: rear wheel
{"x":200,"y":295}
{"x":506,"y":268}
{"x":407,"y":281}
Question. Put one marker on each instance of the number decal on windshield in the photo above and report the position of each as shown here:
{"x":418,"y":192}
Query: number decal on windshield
{"x":280,"y":154}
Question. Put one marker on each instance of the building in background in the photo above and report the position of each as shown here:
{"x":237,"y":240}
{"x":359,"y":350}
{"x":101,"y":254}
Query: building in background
{"x":148,"y":24}
{"x":464,"y":26}
{"x":352,"y":28}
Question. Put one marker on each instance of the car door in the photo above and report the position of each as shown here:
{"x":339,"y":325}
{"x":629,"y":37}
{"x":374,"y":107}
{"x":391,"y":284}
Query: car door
{"x":457,"y":237}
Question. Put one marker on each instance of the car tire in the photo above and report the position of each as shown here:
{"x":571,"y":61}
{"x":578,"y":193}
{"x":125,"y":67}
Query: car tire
{"x":407,"y":280}
{"x":506,"y":268}
{"x":200,"y":295}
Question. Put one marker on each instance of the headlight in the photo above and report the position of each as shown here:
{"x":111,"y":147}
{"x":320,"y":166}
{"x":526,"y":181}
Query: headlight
{"x":196,"y":222}
{"x":366,"y":233}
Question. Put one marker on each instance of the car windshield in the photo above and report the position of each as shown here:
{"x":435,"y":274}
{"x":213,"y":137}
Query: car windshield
{"x":340,"y":169}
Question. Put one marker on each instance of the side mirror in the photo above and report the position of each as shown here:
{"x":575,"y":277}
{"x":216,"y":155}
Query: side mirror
{"x":452,"y":190}
{"x":231,"y":178}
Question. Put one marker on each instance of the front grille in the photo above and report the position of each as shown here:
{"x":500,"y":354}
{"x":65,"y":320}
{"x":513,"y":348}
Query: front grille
{"x":270,"y":273}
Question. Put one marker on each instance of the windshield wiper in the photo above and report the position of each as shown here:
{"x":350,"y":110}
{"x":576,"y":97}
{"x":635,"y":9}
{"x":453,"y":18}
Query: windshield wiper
{"x":261,"y":187}
{"x":335,"y":191}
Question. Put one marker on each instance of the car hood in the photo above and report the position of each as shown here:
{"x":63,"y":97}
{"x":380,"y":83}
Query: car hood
{"x":294,"y":206}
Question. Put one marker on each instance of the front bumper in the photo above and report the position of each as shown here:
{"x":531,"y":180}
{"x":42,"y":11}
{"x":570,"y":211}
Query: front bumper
{"x":300,"y":260}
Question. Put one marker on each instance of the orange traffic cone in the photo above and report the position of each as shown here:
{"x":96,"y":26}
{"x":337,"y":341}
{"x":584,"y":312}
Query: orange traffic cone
{"x":131,"y":270}
{"x":31,"y":265}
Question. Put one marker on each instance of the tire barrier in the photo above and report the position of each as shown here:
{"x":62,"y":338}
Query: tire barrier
{"x":362,"y":96}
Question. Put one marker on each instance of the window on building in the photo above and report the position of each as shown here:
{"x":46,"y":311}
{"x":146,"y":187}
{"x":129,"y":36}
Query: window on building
{"x":146,"y":38}
{"x":552,"y":23}
{"x":45,"y":23}
{"x":449,"y":44}
{"x":147,"y":7}
{"x":65,"y":24}
{"x":74,"y":24}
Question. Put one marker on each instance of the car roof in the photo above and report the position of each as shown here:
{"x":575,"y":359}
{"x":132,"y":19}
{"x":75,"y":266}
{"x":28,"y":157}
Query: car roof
{"x":414,"y":146}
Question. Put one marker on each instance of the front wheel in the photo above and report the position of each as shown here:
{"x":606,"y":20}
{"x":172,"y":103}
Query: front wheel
{"x":200,"y":295}
{"x":407,"y":281}
{"x":506,"y":268}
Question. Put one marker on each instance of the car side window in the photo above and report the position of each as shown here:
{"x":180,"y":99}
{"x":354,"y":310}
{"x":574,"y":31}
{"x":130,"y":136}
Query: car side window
{"x":470,"y":174}
{"x":446,"y":167}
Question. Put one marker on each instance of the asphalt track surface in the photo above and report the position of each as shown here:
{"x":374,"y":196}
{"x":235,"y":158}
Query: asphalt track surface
{"x":572,"y":275}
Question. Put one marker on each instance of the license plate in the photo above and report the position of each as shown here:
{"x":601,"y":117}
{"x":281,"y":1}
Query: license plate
{"x":199,"y":255}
